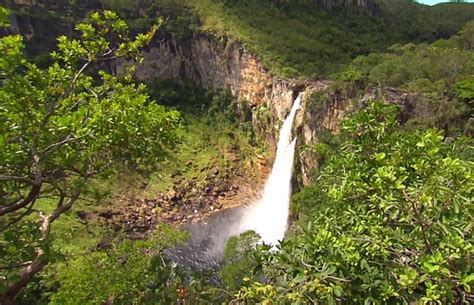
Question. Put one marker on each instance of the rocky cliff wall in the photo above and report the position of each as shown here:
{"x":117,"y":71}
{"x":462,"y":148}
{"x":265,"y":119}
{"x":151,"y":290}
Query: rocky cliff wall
{"x":212,"y":64}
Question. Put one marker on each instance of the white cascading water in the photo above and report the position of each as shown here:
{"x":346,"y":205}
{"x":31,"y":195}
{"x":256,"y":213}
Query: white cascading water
{"x":269,"y":217}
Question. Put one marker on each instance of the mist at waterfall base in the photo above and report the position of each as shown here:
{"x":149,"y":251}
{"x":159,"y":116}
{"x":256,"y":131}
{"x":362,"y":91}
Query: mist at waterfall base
{"x":268,"y":216}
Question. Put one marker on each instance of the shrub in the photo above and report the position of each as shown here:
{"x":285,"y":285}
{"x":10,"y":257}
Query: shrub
{"x":132,"y":272}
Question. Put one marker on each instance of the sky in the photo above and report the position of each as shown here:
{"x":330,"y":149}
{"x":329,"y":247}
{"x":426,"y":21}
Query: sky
{"x":431,"y":2}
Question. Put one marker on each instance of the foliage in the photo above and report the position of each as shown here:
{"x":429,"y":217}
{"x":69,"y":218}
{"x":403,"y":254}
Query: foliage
{"x":179,"y":20}
{"x":237,"y":262}
{"x":63,"y":125}
{"x":391,"y":222}
{"x":132,"y":272}
{"x":465,"y":90}
{"x":438,"y":64}
{"x":416,"y":22}
{"x":439,"y":74}
{"x":4,"y":17}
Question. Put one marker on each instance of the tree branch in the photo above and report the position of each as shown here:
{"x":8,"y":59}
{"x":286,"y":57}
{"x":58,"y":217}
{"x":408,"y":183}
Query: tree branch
{"x":41,"y":260}
{"x":28,"y":211}
{"x":69,"y":138}
{"x":16,"y":178}
{"x":32,"y":195}
{"x":419,"y":220}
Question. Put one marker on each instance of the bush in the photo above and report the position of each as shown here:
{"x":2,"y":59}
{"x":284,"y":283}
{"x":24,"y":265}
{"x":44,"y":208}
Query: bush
{"x":237,"y":262}
{"x":132,"y":272}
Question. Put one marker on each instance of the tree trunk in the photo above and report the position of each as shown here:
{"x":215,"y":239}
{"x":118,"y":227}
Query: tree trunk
{"x":41,"y":259}
{"x":27,"y":275}
{"x":7,"y":300}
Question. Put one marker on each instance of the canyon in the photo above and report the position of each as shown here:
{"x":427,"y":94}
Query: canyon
{"x":213,"y":65}
{"x":216,"y":64}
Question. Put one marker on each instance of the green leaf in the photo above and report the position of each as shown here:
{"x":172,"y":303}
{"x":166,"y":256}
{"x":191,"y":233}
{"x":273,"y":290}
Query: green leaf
{"x":468,"y":278}
{"x":380,"y":156}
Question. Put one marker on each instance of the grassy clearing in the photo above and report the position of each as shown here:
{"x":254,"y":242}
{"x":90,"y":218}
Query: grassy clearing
{"x":204,"y":146}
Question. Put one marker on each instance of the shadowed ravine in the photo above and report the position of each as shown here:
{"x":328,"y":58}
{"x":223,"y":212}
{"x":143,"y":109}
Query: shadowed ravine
{"x":268,"y":216}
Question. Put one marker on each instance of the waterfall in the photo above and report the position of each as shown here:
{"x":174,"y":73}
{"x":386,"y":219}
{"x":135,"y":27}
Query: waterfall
{"x":269,"y":216}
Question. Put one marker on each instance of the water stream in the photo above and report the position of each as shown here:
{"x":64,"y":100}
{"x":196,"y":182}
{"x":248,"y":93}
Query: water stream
{"x":268,"y":216}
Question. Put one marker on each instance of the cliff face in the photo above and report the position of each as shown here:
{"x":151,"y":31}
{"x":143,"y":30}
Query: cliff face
{"x":213,"y":65}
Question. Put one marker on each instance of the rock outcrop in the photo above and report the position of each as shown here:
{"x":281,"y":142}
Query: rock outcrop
{"x":213,"y":64}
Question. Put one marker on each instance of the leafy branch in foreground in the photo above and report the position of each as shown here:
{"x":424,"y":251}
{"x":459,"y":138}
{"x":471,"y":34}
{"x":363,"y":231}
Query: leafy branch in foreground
{"x":62,"y":126}
{"x":389,"y":221}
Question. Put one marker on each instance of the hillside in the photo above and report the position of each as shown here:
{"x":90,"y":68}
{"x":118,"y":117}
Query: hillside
{"x":299,"y":38}
{"x":292,"y":38}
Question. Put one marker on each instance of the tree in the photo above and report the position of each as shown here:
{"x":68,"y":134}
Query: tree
{"x":62,"y":126}
{"x":466,"y":36}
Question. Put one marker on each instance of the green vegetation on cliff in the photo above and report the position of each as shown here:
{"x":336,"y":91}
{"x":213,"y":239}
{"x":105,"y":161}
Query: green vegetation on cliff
{"x":440,"y":74}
